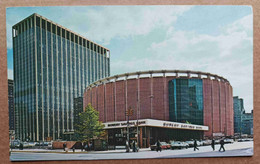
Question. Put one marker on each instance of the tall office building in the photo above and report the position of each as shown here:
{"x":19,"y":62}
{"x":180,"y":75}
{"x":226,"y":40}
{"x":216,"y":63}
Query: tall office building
{"x":11,"y":104}
{"x":52,"y":66}
{"x":238,"y":112}
{"x":247,"y":123}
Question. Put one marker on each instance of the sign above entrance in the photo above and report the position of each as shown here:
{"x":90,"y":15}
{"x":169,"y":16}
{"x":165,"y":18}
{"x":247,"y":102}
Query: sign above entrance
{"x":154,"y":123}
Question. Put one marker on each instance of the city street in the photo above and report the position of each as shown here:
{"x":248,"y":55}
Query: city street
{"x":235,"y":149}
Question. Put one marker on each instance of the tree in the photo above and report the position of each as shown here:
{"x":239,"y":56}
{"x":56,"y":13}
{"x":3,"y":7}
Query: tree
{"x":88,"y":125}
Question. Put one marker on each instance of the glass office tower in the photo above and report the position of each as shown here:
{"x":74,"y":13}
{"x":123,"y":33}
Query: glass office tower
{"x":52,"y":66}
{"x":186,"y":101}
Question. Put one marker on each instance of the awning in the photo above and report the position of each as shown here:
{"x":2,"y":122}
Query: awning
{"x":154,"y":123}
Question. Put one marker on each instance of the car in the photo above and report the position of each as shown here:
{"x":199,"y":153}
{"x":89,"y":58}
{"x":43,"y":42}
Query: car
{"x":217,"y":142}
{"x":190,"y":143}
{"x":206,"y":142}
{"x":228,"y":141}
{"x":26,"y":145}
{"x":31,"y":144}
{"x":164,"y":145}
{"x":50,"y":145}
{"x":179,"y":145}
{"x":244,"y":139}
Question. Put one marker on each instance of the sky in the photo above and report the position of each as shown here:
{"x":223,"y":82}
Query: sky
{"x":215,"y":39}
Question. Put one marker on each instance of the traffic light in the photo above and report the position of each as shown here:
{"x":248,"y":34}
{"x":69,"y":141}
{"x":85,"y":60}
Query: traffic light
{"x":129,"y":112}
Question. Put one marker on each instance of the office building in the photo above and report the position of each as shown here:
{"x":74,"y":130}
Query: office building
{"x":238,"y":112}
{"x":52,"y":66}
{"x":247,"y":123}
{"x":11,"y":105}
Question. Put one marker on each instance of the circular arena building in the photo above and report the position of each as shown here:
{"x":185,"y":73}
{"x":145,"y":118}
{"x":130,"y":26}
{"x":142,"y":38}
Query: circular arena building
{"x":166,"y":105}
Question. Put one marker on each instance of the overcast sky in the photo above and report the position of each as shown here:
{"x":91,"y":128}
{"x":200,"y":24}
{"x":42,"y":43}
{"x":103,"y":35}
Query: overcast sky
{"x":215,"y":39}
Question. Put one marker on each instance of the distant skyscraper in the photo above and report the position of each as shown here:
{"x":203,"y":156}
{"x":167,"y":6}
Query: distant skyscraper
{"x":11,"y":104}
{"x":247,"y":123}
{"x":52,"y":66}
{"x":238,"y":111}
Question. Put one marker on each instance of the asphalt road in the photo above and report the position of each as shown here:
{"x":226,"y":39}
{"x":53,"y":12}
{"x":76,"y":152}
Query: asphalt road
{"x":236,"y":149}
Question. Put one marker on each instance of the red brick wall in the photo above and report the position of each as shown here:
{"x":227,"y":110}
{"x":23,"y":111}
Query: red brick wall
{"x":207,"y":94}
{"x":145,"y":100}
{"x":222,"y":107}
{"x":110,"y":102}
{"x":216,"y":113}
{"x":100,"y":103}
{"x":120,"y":100}
{"x":132,"y":97}
{"x":158,"y":104}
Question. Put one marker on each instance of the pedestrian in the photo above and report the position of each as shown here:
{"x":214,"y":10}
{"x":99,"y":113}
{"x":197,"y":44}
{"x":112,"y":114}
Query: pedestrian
{"x":127,"y":146}
{"x":134,"y":147}
{"x":213,"y":144}
{"x":222,"y":142}
{"x":195,"y":145}
{"x":73,"y":148}
{"x":64,"y":146}
{"x":90,"y":146}
{"x":158,"y":146}
{"x":21,"y":146}
{"x":82,"y":146}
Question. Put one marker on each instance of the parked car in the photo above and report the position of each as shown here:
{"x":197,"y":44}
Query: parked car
{"x":26,"y":145}
{"x":50,"y":145}
{"x":206,"y":142}
{"x":217,"y":142}
{"x":164,"y":145}
{"x":228,"y":141}
{"x":31,"y":144}
{"x":179,"y":145}
{"x":244,"y":139}
{"x":190,"y":143}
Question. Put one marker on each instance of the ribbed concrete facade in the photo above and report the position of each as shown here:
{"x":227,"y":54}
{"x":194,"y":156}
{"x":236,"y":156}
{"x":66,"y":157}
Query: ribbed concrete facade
{"x":52,"y":66}
{"x":148,"y":94}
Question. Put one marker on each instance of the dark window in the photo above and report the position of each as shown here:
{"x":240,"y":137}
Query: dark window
{"x":58,"y":30}
{"x":53,"y":28}
{"x":48,"y":26}
{"x":87,"y":44}
{"x":43,"y":23}
{"x":38,"y":21}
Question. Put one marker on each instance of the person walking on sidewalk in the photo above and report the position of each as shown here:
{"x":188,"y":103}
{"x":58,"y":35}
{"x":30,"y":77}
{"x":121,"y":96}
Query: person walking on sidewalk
{"x":213,"y":144}
{"x":127,"y":146}
{"x":158,"y":146}
{"x":82,"y":146}
{"x":64,"y":146}
{"x":195,"y":145}
{"x":134,"y":146}
{"x":222,"y":142}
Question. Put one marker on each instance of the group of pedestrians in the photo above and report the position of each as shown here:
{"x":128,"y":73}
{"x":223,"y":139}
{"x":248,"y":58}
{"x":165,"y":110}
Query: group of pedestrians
{"x":134,"y":146}
{"x":222,"y":143}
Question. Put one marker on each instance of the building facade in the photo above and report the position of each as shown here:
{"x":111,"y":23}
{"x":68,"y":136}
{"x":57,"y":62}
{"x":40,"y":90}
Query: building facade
{"x":188,"y":97}
{"x":238,"y":112}
{"x":78,"y":108}
{"x":11,"y":105}
{"x":52,"y":66}
{"x":247,"y":123}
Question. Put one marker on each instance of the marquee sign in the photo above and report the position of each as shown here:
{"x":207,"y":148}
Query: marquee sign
{"x":155,"y":123}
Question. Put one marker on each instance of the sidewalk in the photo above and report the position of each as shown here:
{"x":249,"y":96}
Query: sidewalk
{"x":77,"y":151}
